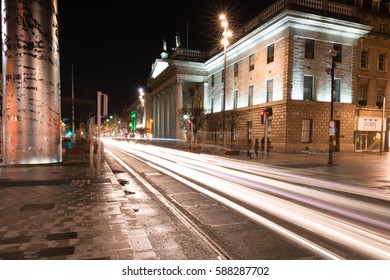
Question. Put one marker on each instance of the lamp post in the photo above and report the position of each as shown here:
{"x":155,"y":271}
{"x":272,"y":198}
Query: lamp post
{"x":142,"y":101}
{"x":333,"y":53}
{"x":225,"y":41}
{"x":381,"y":148}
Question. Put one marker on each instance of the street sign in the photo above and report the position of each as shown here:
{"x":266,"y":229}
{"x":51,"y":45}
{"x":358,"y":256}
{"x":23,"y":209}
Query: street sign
{"x":331,"y":124}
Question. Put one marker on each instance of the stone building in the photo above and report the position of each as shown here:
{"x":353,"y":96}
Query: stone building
{"x":281,"y":59}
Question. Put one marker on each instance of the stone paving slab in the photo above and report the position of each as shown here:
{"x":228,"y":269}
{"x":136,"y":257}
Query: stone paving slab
{"x":64,"y":211}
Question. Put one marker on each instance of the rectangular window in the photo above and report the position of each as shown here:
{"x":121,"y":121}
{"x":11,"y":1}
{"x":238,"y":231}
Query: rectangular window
{"x":212,"y":105}
{"x":270,"y":53}
{"x":249,"y":128}
{"x":337,"y":90}
{"x":251,"y":62}
{"x":382,"y":62}
{"x":367,"y":21}
{"x":306,"y":131}
{"x":362,"y":98}
{"x":235,"y":99}
{"x":375,"y":6}
{"x":364,"y":55}
{"x":236,"y":69}
{"x":380,"y":92}
{"x":383,"y":28}
{"x":250,"y":96}
{"x":270,"y":90}
{"x":339,"y":49}
{"x":308,"y":88}
{"x":309,"y":48}
{"x":212,"y":80}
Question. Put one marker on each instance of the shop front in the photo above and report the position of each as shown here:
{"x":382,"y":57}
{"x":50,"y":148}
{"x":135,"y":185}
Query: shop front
{"x":368,"y":134}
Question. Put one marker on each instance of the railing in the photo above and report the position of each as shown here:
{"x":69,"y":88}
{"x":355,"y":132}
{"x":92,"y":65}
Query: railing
{"x":323,"y":5}
{"x":315,"y":4}
{"x":189,"y":53}
{"x":340,"y":9}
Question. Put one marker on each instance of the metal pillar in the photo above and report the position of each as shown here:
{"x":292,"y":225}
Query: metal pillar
{"x":31,"y":88}
{"x":333,"y":55}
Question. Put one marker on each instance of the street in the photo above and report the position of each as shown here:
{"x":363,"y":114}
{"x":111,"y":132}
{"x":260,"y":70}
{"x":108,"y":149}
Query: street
{"x":252,"y":211}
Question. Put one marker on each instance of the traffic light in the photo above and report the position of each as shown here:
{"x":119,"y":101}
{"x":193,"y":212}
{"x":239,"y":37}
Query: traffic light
{"x":269,"y":110}
{"x":262,"y":116}
{"x":265,"y":113}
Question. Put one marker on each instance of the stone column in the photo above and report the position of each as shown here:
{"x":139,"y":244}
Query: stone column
{"x":31,"y":89}
{"x":172,"y":119}
{"x":162,"y":115}
{"x":158,"y":114}
{"x":178,"y":107}
{"x":154,"y":111}
{"x":205,"y":104}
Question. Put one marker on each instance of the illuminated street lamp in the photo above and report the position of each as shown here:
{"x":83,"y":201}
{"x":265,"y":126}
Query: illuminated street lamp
{"x":225,"y":42}
{"x":141,"y":96}
{"x":142,"y":101}
{"x":333,"y":54}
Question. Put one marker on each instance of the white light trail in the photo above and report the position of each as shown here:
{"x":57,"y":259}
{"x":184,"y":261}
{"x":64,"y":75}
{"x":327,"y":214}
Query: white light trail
{"x":348,"y":227}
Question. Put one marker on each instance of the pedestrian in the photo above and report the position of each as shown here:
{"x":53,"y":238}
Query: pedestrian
{"x":257,"y":147}
{"x":262,"y":145}
{"x":249,"y":152}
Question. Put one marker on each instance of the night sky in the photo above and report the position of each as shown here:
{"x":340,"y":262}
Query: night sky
{"x":112,"y":44}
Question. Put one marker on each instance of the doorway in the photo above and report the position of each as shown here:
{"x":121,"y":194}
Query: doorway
{"x":336,"y":143}
{"x":361,"y":141}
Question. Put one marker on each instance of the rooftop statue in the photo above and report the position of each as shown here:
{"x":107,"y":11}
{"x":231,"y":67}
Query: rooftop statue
{"x":178,"y":41}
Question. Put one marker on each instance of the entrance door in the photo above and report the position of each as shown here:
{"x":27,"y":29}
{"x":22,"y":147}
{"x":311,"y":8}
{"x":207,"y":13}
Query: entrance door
{"x":336,"y":142}
{"x":361,"y":142}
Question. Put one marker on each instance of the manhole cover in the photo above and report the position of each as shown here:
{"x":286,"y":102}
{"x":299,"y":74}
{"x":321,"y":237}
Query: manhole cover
{"x":37,"y":207}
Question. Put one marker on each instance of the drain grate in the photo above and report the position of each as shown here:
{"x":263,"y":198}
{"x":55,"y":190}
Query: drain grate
{"x":37,"y":207}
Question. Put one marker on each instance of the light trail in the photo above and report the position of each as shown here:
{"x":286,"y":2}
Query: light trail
{"x":361,"y":226}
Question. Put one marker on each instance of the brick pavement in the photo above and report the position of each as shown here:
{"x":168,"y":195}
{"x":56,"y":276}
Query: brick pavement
{"x":65,"y":211}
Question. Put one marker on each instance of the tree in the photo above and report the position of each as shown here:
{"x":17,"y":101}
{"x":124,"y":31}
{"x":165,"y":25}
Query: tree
{"x":232,"y":119}
{"x":196,"y":115}
{"x":214,"y":123}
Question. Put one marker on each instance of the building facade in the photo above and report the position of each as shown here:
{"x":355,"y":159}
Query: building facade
{"x":281,"y":59}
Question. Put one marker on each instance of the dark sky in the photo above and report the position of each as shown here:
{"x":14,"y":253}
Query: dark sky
{"x":112,"y":44}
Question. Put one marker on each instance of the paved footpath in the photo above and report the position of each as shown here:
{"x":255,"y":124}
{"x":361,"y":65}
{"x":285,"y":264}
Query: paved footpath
{"x":65,"y":211}
{"x":367,"y":170}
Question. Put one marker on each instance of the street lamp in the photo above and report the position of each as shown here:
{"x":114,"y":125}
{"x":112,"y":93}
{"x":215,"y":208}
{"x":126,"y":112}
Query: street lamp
{"x":143,"y":113}
{"x":225,"y":42}
{"x":383,"y":121}
{"x":333,"y":53}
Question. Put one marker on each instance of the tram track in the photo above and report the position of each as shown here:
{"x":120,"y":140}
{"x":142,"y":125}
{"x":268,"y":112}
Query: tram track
{"x":214,"y":246}
{"x":315,"y":249}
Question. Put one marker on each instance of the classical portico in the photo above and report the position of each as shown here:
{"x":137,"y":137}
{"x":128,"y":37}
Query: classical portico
{"x":176,"y":82}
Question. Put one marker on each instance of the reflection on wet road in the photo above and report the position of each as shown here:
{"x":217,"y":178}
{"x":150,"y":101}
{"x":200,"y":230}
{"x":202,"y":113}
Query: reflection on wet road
{"x":362,"y":225}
